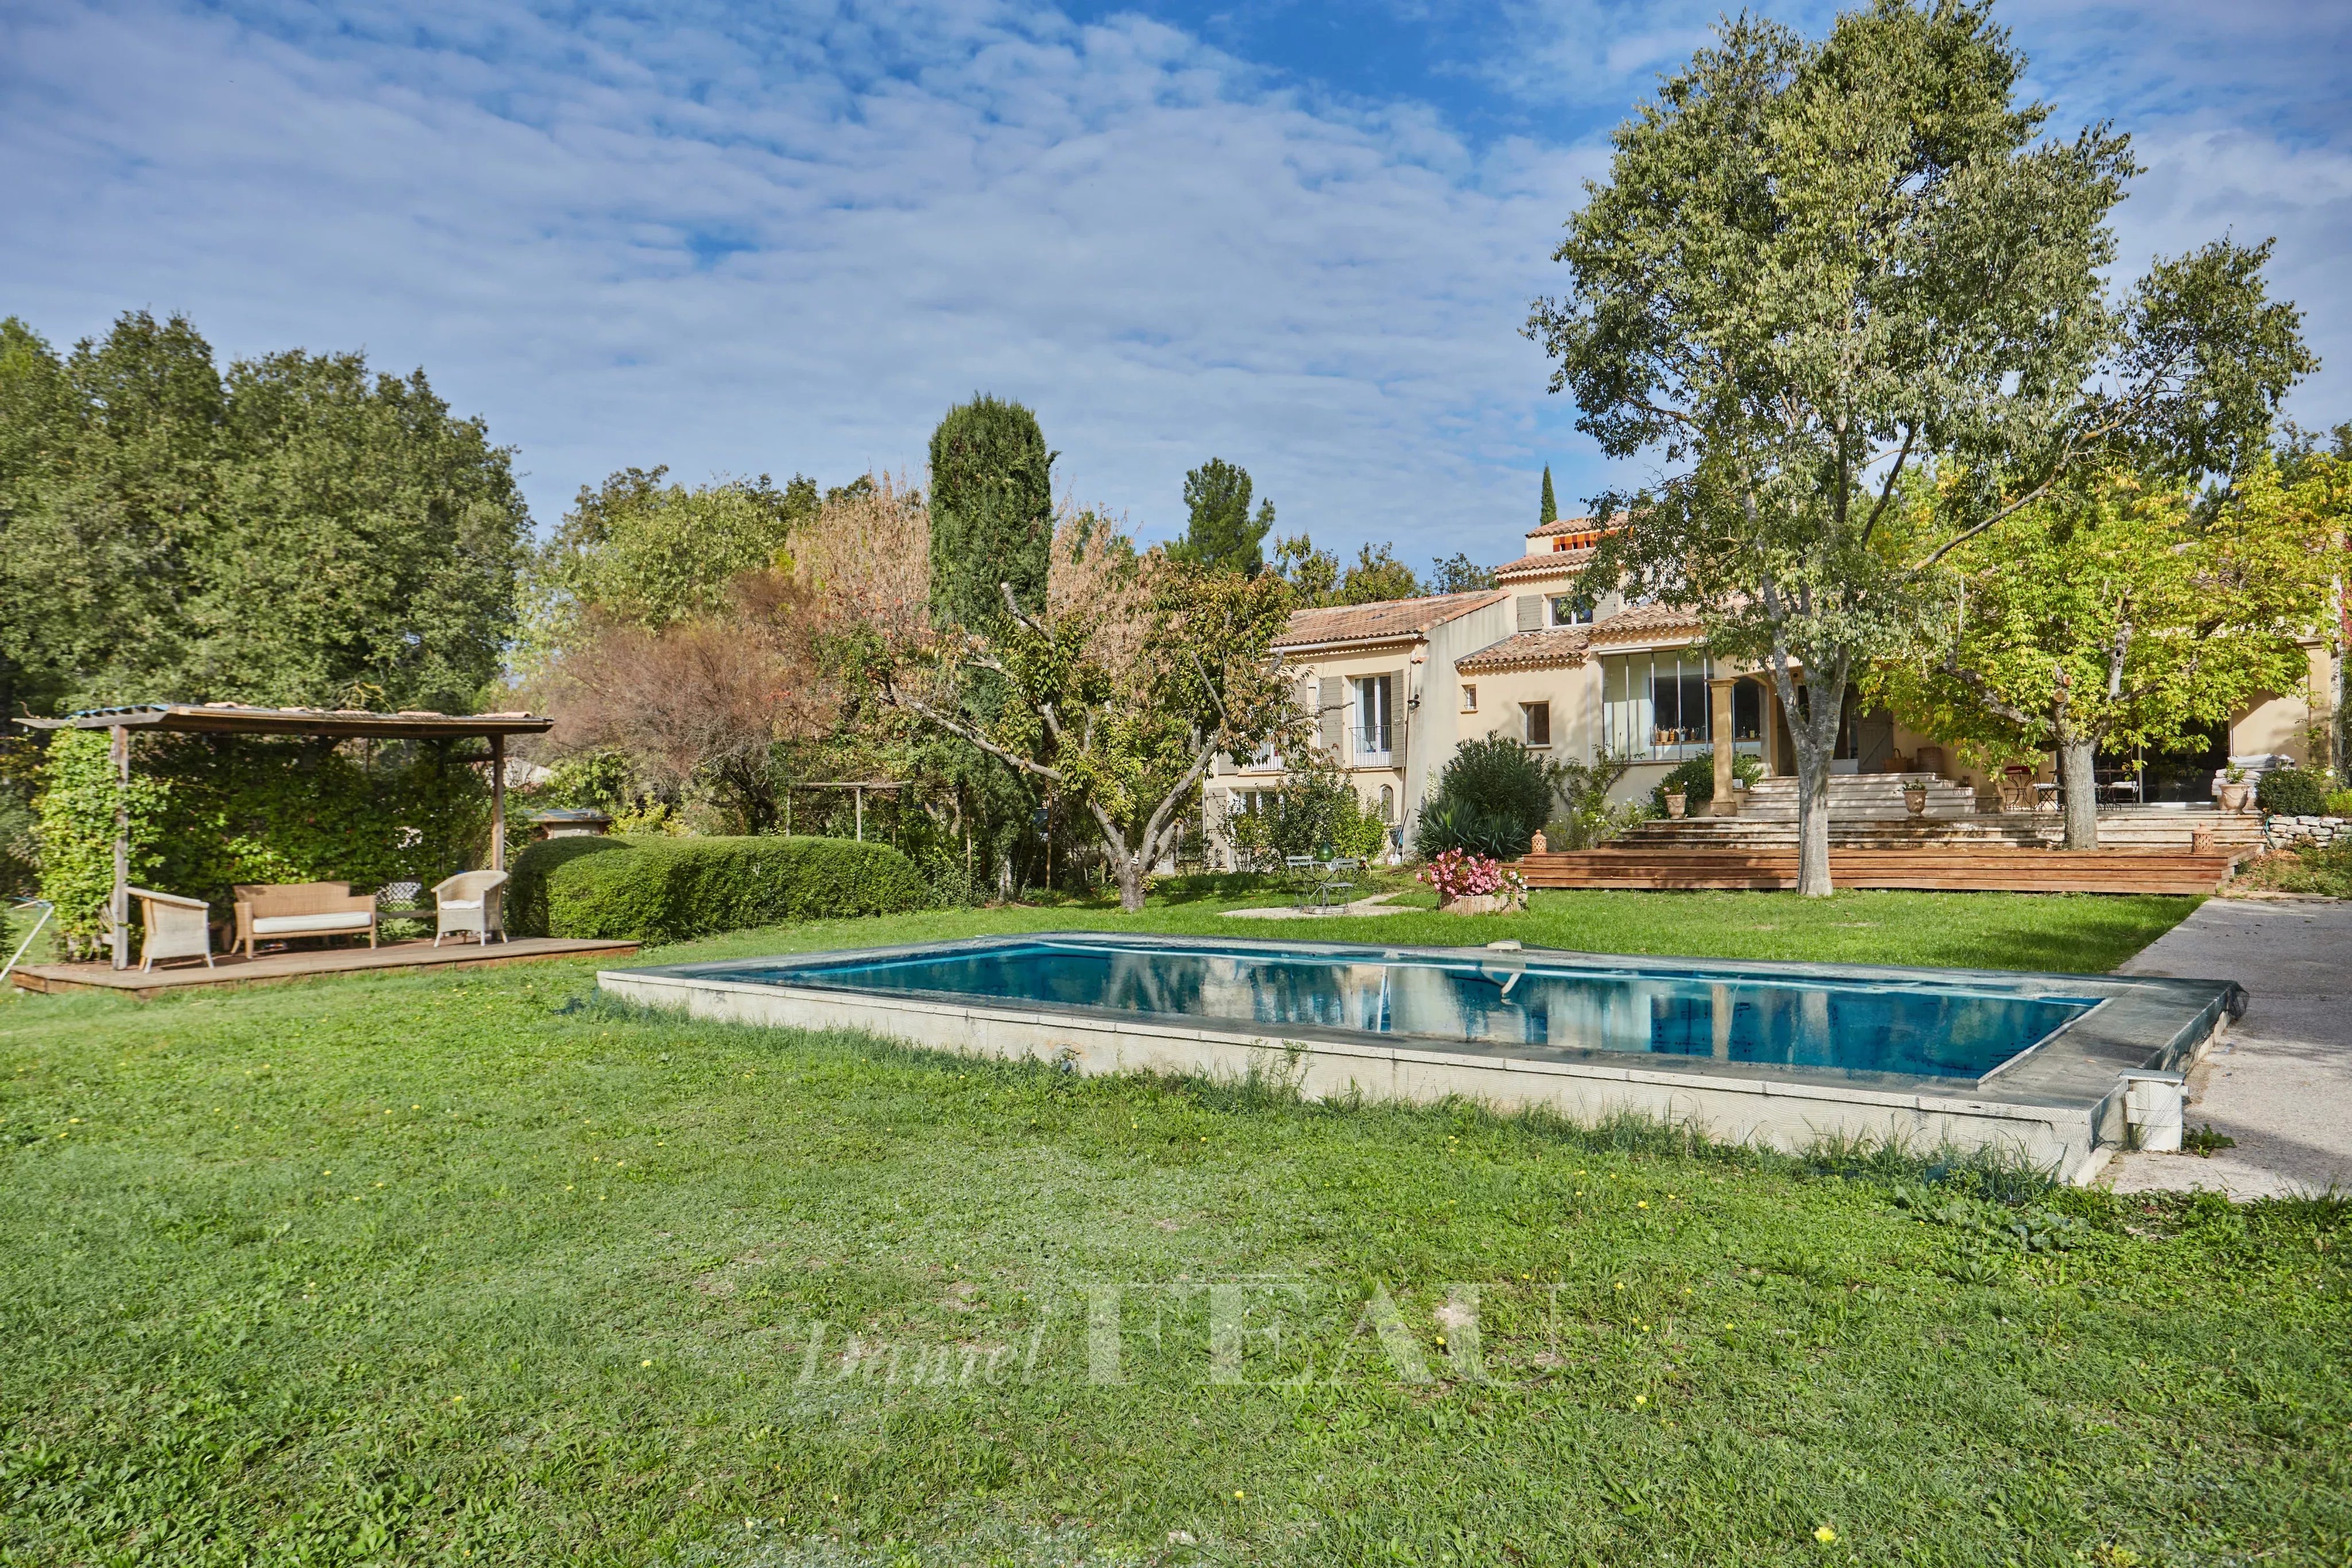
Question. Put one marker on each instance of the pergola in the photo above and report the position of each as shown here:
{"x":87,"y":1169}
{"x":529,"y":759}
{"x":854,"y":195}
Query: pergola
{"x":334,"y":723}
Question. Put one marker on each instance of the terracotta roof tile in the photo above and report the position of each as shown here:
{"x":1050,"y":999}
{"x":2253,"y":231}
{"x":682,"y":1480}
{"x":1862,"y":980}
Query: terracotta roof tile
{"x":1554,"y":647}
{"x":1644,"y":621}
{"x":1390,"y":618}
{"x":1565,"y":526}
{"x":1544,"y":560}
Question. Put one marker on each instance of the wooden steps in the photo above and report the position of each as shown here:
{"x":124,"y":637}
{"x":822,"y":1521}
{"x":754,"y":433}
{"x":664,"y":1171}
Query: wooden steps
{"x":1963,"y":868}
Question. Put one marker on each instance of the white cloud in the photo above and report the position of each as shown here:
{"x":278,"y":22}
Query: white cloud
{"x":788,"y":238}
{"x":696,"y":247}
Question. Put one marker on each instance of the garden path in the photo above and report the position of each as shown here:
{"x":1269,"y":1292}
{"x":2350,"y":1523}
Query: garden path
{"x":2280,"y":1082}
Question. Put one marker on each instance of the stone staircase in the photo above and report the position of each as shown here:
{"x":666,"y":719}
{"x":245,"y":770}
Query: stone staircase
{"x":1855,"y":797}
{"x":1859,"y":822}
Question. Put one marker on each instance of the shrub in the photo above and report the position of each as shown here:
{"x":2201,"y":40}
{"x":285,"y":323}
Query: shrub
{"x":1693,"y":777}
{"x":1583,"y":789}
{"x":2339,"y":803}
{"x":2292,"y":793}
{"x":1455,"y":875}
{"x":1491,"y":797}
{"x":669,"y":889}
{"x":1315,"y":812}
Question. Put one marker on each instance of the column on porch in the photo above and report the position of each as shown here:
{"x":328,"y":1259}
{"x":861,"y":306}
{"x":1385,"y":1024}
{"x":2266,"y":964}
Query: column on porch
{"x":1720,"y":726}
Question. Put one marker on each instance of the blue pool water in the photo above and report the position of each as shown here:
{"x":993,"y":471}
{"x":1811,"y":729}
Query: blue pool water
{"x":1925,"y":1028}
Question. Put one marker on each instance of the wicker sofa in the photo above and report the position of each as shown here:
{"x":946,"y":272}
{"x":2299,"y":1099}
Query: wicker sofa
{"x":287,"y":912}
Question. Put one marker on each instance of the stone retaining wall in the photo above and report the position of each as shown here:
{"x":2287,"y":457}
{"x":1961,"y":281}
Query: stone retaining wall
{"x":2281,"y":833}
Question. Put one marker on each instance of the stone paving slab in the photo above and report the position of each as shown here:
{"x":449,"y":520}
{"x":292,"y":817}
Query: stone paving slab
{"x":2280,"y":1082}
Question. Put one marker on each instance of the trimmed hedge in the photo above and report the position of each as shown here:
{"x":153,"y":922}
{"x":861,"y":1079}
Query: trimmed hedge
{"x":670,"y":889}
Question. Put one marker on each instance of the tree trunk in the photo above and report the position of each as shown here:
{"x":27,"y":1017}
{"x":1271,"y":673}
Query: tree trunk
{"x":2078,"y":786}
{"x":1129,"y":869}
{"x":1813,"y":737}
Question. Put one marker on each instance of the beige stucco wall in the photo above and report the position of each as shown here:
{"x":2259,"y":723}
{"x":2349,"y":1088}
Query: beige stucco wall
{"x":2282,"y":724}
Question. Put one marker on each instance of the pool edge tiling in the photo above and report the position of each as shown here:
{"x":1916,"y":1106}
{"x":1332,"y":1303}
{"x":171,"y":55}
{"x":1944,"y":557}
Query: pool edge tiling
{"x":2058,"y":1103}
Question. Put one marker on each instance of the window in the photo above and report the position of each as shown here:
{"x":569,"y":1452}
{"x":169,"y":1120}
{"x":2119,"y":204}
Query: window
{"x":1539,"y":722}
{"x":1655,"y":705}
{"x":1469,"y":699}
{"x":1388,"y":803}
{"x":1373,"y":712}
{"x":1571,"y":609}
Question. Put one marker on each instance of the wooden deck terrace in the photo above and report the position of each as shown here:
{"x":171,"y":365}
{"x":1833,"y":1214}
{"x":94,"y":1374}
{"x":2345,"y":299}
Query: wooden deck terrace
{"x":277,"y":968}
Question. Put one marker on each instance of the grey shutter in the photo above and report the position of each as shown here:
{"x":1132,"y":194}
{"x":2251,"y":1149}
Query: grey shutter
{"x":1530,"y":612}
{"x":1332,"y":703}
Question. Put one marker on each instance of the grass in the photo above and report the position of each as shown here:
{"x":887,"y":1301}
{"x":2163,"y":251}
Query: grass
{"x":476,"y":1267}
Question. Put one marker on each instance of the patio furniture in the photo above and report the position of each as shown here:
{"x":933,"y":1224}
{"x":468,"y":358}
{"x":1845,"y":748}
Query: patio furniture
{"x":470,"y":901}
{"x":176,"y":927}
{"x":287,"y":912}
{"x":1338,"y":877}
{"x":2016,"y":788}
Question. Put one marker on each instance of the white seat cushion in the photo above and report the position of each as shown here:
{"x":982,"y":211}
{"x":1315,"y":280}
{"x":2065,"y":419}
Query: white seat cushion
{"x":461,"y":904}
{"x":287,"y":925}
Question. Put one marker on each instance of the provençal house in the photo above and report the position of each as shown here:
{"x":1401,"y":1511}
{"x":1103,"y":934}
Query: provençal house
{"x":1395,"y":687}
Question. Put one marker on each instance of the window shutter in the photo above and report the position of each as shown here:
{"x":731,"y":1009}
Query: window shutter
{"x":1333,"y":704}
{"x":1530,"y":612}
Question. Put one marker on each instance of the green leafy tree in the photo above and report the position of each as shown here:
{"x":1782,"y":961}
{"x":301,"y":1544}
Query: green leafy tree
{"x":1550,"y":514}
{"x":365,"y":543}
{"x":1311,"y":573}
{"x":638,"y":552}
{"x":1118,"y":694}
{"x":1459,"y":574}
{"x":2120,"y":619}
{"x":1816,"y":266}
{"x":1376,"y":574}
{"x":992,"y":512}
{"x":297,"y":532}
{"x":1222,"y":535}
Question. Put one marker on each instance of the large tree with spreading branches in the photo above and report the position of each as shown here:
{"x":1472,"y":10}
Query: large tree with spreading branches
{"x":2123,"y":616}
{"x":1816,"y":267}
{"x":1115,"y":693}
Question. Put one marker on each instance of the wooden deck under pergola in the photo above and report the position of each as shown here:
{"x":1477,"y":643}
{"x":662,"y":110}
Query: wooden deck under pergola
{"x":330,"y":724}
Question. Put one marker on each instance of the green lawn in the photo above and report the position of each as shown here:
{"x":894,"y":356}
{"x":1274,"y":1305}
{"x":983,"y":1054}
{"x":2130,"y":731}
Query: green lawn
{"x":477,"y":1269}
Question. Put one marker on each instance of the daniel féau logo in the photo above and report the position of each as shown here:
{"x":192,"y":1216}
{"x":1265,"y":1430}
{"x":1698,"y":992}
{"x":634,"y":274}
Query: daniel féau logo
{"x":1252,"y":1332}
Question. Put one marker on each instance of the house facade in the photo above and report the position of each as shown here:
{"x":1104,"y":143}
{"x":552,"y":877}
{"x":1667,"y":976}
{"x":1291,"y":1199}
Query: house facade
{"x":1394,"y":687}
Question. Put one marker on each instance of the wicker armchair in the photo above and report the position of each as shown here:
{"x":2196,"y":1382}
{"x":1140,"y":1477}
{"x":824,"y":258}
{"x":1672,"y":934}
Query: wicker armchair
{"x":470,"y":901}
{"x":176,"y":927}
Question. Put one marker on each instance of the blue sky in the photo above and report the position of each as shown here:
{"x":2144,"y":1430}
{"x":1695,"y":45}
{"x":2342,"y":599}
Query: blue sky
{"x":785,"y":236}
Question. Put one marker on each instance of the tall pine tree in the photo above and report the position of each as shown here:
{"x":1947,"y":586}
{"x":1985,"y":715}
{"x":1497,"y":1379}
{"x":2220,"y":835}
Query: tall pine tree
{"x":1222,"y":535}
{"x":992,"y":512}
{"x":1550,"y":506}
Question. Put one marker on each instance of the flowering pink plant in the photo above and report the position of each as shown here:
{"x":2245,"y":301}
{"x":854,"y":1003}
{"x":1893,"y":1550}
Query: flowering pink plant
{"x":1459,"y":875}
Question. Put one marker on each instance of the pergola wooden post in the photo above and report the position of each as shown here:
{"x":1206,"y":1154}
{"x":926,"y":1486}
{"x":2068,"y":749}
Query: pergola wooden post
{"x":497,"y":802}
{"x":118,"y":906}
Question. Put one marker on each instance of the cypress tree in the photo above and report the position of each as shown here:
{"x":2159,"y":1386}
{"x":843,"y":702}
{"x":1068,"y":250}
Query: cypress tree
{"x":992,"y":511}
{"x":1550,"y":506}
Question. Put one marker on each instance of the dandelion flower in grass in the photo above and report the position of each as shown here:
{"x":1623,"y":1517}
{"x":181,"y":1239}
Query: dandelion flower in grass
{"x":1825,"y":1535}
{"x":1640,"y":1400}
{"x":647,"y":1362}
{"x":1238,"y":1496}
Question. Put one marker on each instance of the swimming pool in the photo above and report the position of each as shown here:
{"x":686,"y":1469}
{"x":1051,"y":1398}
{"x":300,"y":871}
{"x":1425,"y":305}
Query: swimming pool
{"x":1918,"y":1027}
{"x":1771,"y":1053}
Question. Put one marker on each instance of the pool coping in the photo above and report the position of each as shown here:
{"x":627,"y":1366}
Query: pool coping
{"x":2059,"y":1104}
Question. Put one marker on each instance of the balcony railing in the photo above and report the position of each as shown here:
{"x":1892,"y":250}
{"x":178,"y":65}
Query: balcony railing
{"x":1372,"y":740}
